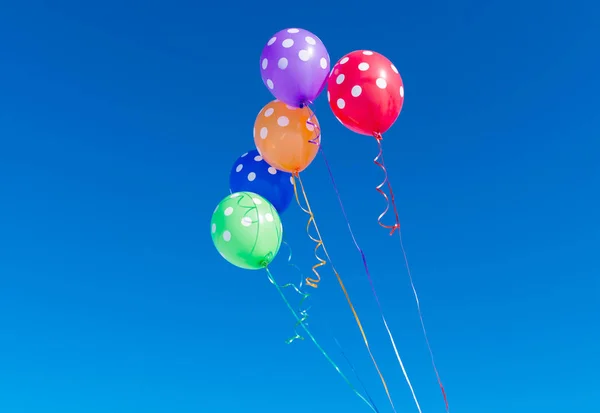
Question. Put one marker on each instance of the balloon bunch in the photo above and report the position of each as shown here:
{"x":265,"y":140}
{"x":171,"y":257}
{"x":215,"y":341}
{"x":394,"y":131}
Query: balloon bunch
{"x":366,"y":94}
{"x":246,"y":227}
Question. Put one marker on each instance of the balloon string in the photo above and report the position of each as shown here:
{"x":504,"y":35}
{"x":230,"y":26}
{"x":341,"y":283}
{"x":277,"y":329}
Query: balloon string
{"x":371,"y":283}
{"x":304,"y":296}
{"x":317,"y":139}
{"x":313,"y":339}
{"x":311,"y":282}
{"x":304,"y":316}
{"x":379,"y":161}
{"x":343,"y":353}
{"x":311,"y":219}
{"x":386,"y":181}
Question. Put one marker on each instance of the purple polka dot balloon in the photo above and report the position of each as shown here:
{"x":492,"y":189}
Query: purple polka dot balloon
{"x":294,"y":65}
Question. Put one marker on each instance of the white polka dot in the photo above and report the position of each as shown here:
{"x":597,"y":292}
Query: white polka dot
{"x":246,"y":154}
{"x":341,"y":103}
{"x":269,"y":217}
{"x":271,"y":41}
{"x":381,"y":83}
{"x":258,"y":158}
{"x":282,"y":63}
{"x":246,"y":221}
{"x":265,"y":63}
{"x":239,"y":168}
{"x":251,"y":176}
{"x":269,"y":112}
{"x":213,"y":228}
{"x":272,"y":170}
{"x":310,"y":40}
{"x":264,"y":132}
{"x":323,"y":63}
{"x":228,"y":211}
{"x":283,"y":121}
{"x":394,"y":68}
{"x":287,"y":43}
{"x":356,"y":91}
{"x":310,"y":126}
{"x":291,"y":107}
{"x":401,"y":91}
{"x":292,"y":180}
{"x":256,"y":201}
{"x":304,"y":55}
{"x":328,"y":96}
{"x":344,"y":60}
{"x":367,"y":52}
{"x":293,"y":31}
{"x":340,"y":79}
{"x":270,"y":84}
{"x":364,"y":66}
{"x":226,"y":236}
{"x":236,"y":195}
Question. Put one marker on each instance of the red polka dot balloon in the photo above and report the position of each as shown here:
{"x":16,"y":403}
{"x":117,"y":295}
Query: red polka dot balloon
{"x":365,"y":92}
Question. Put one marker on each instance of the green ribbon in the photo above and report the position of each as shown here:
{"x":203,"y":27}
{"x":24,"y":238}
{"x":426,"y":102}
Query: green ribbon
{"x":300,"y":322}
{"x":304,"y":296}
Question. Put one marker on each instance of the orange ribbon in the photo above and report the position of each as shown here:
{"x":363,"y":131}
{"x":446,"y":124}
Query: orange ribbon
{"x":313,"y":282}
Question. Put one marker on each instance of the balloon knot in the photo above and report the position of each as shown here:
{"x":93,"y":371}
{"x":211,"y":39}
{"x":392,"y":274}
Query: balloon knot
{"x":378,"y":136}
{"x":266,"y":260}
{"x":305,"y":104}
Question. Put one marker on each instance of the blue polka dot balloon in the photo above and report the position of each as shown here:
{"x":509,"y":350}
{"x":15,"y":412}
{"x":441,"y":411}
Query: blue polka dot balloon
{"x":250,"y":173}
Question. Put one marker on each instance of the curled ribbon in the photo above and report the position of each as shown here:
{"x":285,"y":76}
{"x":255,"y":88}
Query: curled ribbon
{"x":322,"y":262}
{"x":304,"y":316}
{"x":379,"y":161}
{"x":311,"y":282}
{"x":386,"y":181}
{"x":304,"y":296}
{"x":315,"y":342}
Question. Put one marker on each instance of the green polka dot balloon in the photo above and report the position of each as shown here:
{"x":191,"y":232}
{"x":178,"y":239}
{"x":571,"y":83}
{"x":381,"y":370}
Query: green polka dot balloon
{"x":246,"y":230}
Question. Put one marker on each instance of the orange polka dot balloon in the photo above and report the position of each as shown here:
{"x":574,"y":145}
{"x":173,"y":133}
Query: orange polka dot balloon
{"x":286,"y":137}
{"x":365,"y":92}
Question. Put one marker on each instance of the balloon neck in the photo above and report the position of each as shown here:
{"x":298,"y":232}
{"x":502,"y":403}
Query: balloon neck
{"x":305,"y":104}
{"x":267,"y":260}
{"x":378,"y":136}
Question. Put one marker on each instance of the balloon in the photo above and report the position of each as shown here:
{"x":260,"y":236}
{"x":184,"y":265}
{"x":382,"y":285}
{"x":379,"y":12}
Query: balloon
{"x":365,"y":92}
{"x":294,"y":65}
{"x":283,"y":135}
{"x":251,"y":173}
{"x":246,"y":230}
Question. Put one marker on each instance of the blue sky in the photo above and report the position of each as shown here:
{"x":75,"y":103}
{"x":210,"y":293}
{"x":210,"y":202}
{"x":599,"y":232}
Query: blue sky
{"x":119,"y":122}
